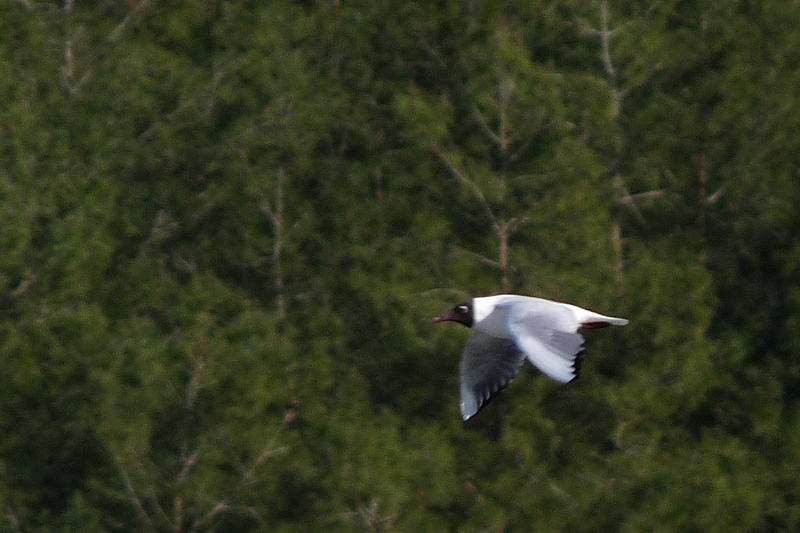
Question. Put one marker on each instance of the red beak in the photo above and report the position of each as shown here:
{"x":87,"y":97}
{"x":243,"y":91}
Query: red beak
{"x":443,"y":318}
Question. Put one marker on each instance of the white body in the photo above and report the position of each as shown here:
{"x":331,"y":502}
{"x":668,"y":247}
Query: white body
{"x":490,"y":314}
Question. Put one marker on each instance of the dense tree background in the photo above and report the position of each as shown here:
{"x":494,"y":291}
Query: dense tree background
{"x":226,"y":226}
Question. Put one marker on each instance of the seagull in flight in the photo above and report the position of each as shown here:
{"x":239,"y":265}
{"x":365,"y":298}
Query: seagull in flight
{"x":510,"y":328}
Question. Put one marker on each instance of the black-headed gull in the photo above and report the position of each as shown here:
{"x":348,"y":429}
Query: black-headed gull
{"x":508,"y":328}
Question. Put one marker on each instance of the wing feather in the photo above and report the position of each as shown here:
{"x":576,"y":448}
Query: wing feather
{"x":547,"y":333}
{"x":488,"y":365}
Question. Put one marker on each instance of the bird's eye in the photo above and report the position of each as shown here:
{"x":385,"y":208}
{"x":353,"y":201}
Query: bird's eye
{"x":462,"y":309}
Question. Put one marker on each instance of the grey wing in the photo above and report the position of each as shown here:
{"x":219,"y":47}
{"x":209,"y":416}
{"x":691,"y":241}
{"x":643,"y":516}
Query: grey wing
{"x":488,"y":366}
{"x":548,"y":335}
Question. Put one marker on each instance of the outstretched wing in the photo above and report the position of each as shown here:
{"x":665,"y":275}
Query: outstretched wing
{"x":547,"y":333}
{"x":488,"y":365}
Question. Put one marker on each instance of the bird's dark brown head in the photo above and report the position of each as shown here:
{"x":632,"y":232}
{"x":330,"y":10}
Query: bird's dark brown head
{"x":462,"y":313}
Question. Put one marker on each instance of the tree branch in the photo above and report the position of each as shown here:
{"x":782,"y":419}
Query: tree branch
{"x":33,"y":5}
{"x":219,"y":508}
{"x":485,"y":126}
{"x":116,"y":32}
{"x":276,"y":217}
{"x":132,"y":496}
{"x":71,"y":87}
{"x":193,"y":387}
{"x":479,"y":257}
{"x":466,"y":182}
{"x":269,"y":450}
{"x":605,"y":39}
{"x":24,"y":285}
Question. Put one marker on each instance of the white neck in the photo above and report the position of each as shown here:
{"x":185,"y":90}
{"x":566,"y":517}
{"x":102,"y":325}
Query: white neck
{"x":484,"y":317}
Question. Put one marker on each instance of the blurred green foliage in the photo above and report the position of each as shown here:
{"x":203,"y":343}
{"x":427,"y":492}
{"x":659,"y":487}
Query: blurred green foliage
{"x":226,"y":227}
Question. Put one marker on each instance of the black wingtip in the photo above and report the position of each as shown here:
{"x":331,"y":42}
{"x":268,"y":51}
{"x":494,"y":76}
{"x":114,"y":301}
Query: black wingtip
{"x":484,"y":397}
{"x":577,"y":364}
